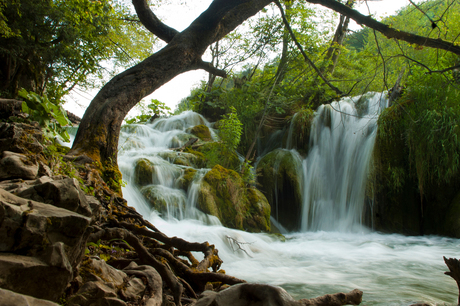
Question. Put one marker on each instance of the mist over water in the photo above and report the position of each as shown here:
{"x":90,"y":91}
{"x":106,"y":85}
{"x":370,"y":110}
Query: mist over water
{"x":334,"y":252}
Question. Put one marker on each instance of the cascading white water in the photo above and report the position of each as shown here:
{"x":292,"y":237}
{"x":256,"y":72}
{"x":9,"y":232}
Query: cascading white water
{"x":336,"y":168}
{"x":389,"y":269}
{"x":153,"y":143}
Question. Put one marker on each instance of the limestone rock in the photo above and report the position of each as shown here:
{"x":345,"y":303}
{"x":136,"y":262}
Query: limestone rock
{"x":31,"y":276}
{"x":15,"y":165}
{"x":10,"y":298}
{"x":65,"y":193}
{"x":20,"y":138}
{"x":41,"y":246}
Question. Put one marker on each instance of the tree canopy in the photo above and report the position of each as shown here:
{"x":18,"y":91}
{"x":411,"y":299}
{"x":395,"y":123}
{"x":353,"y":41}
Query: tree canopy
{"x":50,"y":46}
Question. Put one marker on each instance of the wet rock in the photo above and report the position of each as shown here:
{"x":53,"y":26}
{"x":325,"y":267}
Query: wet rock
{"x":280,"y":179}
{"x":201,"y":131}
{"x":223,"y":194}
{"x":143,"y":172}
{"x":15,"y":165}
{"x":10,"y":298}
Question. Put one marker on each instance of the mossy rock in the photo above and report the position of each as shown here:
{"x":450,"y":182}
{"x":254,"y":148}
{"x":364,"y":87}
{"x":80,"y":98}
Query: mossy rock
{"x":280,"y":180}
{"x":215,"y":153}
{"x":165,"y":200}
{"x":186,"y":178}
{"x":201,"y":131}
{"x":298,"y":135}
{"x":182,"y":159}
{"x":223,"y":194}
{"x":143,"y":172}
{"x":258,"y":217}
{"x":200,"y":159}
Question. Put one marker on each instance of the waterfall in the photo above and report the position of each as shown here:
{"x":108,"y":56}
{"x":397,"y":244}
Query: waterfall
{"x":336,"y":168}
{"x":152,"y":143}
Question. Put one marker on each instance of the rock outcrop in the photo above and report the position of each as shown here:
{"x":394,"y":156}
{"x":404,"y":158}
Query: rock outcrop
{"x":224,"y":195}
{"x":280,"y":181}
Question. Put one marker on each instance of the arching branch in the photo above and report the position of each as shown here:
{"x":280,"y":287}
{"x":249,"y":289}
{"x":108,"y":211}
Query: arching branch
{"x":152,"y":23}
{"x":387,"y":30}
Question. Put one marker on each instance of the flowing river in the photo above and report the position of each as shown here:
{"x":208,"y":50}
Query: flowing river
{"x":333,"y":252}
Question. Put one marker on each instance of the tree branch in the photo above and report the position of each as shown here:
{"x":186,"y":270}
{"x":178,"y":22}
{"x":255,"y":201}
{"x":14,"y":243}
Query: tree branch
{"x":385,"y":29}
{"x":299,"y":46}
{"x":152,"y":23}
{"x":207,"y":66}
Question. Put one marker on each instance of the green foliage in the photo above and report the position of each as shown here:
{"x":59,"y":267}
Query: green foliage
{"x":230,"y":130}
{"x":426,"y":122}
{"x":53,"y":45}
{"x":51,"y":117}
{"x":155,"y":108}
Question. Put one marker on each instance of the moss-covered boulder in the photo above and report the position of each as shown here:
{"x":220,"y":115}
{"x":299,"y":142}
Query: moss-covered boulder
{"x":298,"y":135}
{"x":280,"y":180}
{"x":223,"y":194}
{"x":201,"y":131}
{"x":183,"y":158}
{"x":186,"y":178}
{"x":165,"y":200}
{"x":143,"y":172}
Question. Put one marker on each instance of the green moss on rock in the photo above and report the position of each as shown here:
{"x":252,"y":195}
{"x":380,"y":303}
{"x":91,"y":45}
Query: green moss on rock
{"x":223,"y":194}
{"x":143,"y":172}
{"x":201,"y":131}
{"x":186,"y":178}
{"x":280,"y":181}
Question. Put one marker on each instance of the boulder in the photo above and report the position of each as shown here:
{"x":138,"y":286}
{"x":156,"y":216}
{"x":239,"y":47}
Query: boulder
{"x":41,"y":246}
{"x":143,"y":172}
{"x":15,"y":165}
{"x":20,"y":138}
{"x":223,"y":194}
{"x":165,"y":200}
{"x":201,"y":131}
{"x":266,"y":295}
{"x":10,"y":298}
{"x":64,"y":193}
{"x":280,"y":181}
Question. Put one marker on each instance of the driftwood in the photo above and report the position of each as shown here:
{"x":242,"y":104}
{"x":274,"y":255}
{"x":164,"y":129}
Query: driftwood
{"x":454,"y":271}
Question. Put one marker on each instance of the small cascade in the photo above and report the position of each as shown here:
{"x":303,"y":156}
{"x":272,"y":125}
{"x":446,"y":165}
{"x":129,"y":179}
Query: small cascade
{"x":147,"y":149}
{"x":336,"y":168}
